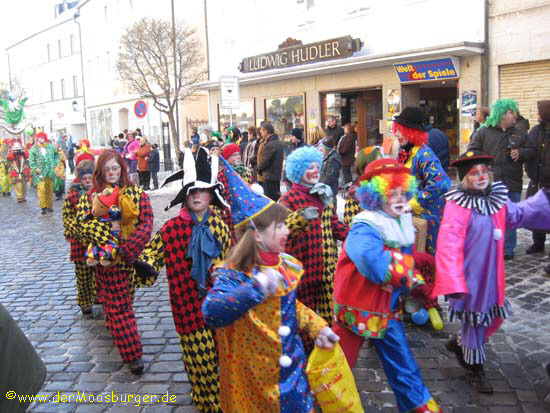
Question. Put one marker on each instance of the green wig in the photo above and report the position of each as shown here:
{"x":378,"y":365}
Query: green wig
{"x":498,"y":110}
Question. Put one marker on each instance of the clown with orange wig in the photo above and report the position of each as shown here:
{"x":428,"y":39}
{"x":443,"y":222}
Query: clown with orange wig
{"x":374,"y":269}
{"x":433,"y":181}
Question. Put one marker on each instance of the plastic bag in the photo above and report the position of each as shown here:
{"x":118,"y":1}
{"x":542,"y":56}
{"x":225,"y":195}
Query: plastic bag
{"x":332,"y":382}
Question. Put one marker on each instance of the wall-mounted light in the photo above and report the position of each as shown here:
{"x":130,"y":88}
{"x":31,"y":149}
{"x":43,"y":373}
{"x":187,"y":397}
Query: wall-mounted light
{"x":75,"y":105}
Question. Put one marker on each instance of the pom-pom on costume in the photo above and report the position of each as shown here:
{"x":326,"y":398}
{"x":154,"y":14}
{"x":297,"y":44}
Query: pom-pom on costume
{"x":262,"y":358}
{"x":313,"y":241}
{"x":374,"y":269}
{"x":43,"y":158}
{"x":188,"y":247}
{"x":19,"y":170}
{"x":433,"y":181}
{"x":470,"y":256}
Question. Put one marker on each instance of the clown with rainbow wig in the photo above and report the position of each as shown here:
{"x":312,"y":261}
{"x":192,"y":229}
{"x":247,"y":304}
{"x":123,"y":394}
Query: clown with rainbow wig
{"x":433,"y":181}
{"x":375,"y":268}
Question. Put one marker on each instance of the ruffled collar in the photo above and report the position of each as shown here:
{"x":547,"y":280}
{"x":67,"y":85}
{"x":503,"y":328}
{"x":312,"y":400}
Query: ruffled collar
{"x":485,"y":203}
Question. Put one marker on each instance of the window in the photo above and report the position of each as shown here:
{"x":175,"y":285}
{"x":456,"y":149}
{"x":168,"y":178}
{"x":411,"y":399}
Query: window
{"x":286,"y":113}
{"x":60,"y":49}
{"x":52,"y":95}
{"x":72,"y":43}
{"x":105,"y":12}
{"x":243,"y":118}
{"x":62,"y":88}
{"x":75,"y":86}
{"x":49,"y":55}
{"x":100,"y":126}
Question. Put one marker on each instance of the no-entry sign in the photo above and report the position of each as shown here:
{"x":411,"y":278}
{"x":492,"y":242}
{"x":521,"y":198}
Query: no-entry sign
{"x":140,"y":109}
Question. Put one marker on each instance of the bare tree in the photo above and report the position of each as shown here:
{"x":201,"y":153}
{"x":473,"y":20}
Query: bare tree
{"x":146,"y":64}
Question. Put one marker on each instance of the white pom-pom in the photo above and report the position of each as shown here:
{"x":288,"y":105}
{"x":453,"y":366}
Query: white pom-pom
{"x":497,"y":234}
{"x":257,"y":188}
{"x":285,"y":361}
{"x":284,"y":331}
{"x":398,"y":256}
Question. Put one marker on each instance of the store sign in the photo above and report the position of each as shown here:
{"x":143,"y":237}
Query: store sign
{"x":294,"y":53}
{"x":229,"y":92}
{"x":437,"y":69}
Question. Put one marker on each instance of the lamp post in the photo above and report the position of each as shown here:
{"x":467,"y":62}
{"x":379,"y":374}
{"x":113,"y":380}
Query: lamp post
{"x":175,"y":76}
{"x":75,"y":18}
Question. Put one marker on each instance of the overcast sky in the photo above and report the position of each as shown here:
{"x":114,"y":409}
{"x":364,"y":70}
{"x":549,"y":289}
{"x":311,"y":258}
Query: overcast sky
{"x":20,"y":19}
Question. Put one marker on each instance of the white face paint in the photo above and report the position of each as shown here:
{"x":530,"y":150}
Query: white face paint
{"x":478,"y":177}
{"x":397,"y":203}
{"x":312,"y":174}
{"x":112,"y":171}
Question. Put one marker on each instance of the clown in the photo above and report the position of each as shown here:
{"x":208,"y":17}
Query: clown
{"x":59,"y":174}
{"x":314,"y":229}
{"x":189,"y":245}
{"x":432,"y":179}
{"x":20,"y":171}
{"x":374,"y":269}
{"x":43,"y":158}
{"x":231,"y":153}
{"x":470,"y":257}
{"x":5,"y":181}
{"x":85,"y":277}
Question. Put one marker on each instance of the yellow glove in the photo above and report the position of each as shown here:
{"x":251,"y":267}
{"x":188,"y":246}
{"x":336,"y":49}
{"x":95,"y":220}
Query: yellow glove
{"x":416,"y":207}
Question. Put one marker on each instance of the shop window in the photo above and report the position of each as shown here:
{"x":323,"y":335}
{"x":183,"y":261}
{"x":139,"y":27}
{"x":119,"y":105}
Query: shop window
{"x":286,"y":113}
{"x":243,"y":118}
{"x":101,"y":126}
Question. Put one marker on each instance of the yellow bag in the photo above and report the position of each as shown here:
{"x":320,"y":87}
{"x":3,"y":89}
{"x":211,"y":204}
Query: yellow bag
{"x":332,"y":382}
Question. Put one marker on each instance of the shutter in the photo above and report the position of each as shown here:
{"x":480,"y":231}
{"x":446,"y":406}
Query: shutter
{"x":526,"y":83}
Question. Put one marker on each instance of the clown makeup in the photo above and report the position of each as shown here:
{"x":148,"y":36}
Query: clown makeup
{"x":198,"y":200}
{"x":477,"y":178}
{"x":396,"y":204}
{"x":273,"y":238}
{"x":112,"y":171}
{"x":312,"y":174}
{"x":400,"y":138}
{"x":86,"y":181}
{"x":234,"y":159}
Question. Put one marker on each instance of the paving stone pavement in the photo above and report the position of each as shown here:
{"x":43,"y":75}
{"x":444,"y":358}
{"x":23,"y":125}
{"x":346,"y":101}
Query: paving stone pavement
{"x":37,"y":287}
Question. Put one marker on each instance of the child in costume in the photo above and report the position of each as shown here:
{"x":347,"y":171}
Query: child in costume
{"x":254,"y":308}
{"x":5,"y":179}
{"x":188,"y":245}
{"x":85,"y":276}
{"x":59,"y":175}
{"x":43,"y":158}
{"x":374,"y":269}
{"x":19,"y":170}
{"x":231,"y":153}
{"x":115,"y":284}
{"x":314,"y":229}
{"x":470,"y":257}
{"x":432,"y":179}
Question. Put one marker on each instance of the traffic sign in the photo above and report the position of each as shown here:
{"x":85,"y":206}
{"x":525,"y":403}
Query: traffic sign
{"x":229,"y":92}
{"x":140,"y":109}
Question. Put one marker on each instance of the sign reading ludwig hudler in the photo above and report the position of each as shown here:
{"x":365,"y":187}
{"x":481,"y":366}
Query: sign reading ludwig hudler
{"x":299,"y":54}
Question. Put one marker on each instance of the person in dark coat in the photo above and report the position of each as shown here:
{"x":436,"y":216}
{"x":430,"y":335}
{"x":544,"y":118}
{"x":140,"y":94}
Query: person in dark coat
{"x":333,"y":131}
{"x":439,"y":143}
{"x":330,"y":168}
{"x":154,"y":165}
{"x":296,"y":139}
{"x":270,"y":161}
{"x":346,"y":149}
{"x":243,"y":143}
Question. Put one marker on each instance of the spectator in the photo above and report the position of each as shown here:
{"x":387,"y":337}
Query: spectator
{"x":70,"y":156}
{"x":242,"y":144}
{"x":154,"y":165}
{"x":482,"y":113}
{"x":251,"y":151}
{"x":296,"y":139}
{"x":330,"y":168}
{"x":142,"y":155}
{"x":538,"y":167}
{"x":122,"y":140}
{"x":439,"y":143}
{"x":316,"y":135}
{"x":195,"y":138}
{"x":138,"y":133}
{"x":214,"y":147}
{"x":235,"y":135}
{"x":270,"y":161}
{"x":346,"y":149}
{"x":498,"y":137}
{"x":522,"y":123}
{"x":333,"y":131}
{"x":129,"y":152}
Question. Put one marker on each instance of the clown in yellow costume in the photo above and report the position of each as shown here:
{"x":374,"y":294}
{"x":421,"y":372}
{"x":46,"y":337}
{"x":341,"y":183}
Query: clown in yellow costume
{"x":5,"y":180}
{"x":43,"y":158}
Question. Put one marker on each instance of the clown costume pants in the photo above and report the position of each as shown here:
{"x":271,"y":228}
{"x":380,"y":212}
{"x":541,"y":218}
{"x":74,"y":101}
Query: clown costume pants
{"x":45,"y":193}
{"x":21,"y":190}
{"x":85,"y":284}
{"x":200,"y":360}
{"x":399,"y":365}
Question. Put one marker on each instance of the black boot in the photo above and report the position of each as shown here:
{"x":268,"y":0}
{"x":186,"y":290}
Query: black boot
{"x":478,"y":380}
{"x":453,"y":346}
{"x":136,"y":367}
{"x":535,"y":248}
{"x":547,"y":269}
{"x":44,"y":211}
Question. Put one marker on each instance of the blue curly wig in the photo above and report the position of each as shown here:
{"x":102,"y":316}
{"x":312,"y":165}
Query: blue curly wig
{"x":374,"y":193}
{"x":299,"y":160}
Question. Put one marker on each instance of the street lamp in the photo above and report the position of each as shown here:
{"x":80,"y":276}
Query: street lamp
{"x":75,"y":17}
{"x":75,"y":105}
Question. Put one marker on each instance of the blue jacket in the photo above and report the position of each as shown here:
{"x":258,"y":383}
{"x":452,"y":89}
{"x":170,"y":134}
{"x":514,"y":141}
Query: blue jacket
{"x":439,"y":143}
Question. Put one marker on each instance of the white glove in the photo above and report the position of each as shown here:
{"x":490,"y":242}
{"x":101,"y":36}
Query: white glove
{"x":310,"y":213}
{"x":326,"y":338}
{"x":269,"y":280}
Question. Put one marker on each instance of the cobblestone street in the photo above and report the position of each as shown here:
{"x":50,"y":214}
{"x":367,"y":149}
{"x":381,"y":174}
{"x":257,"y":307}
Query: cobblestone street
{"x":37,"y":287}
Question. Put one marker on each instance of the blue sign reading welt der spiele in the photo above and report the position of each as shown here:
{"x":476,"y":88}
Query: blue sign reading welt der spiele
{"x":436,"y":69}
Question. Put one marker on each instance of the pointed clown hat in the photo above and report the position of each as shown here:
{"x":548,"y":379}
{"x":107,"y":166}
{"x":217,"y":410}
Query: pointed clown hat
{"x":247,"y":202}
{"x":200,"y":172}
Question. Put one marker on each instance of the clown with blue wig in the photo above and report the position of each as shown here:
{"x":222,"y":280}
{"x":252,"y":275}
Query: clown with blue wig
{"x":314,"y":228}
{"x":375,"y":268}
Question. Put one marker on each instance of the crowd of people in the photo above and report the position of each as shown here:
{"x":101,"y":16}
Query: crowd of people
{"x":257,"y":281}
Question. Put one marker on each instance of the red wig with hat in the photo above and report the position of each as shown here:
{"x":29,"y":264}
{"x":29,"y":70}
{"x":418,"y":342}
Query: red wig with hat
{"x":229,"y":150}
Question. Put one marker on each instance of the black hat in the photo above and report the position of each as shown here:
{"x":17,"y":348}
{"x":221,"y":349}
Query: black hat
{"x":297,"y":133}
{"x":467,"y":160}
{"x":327,"y":143}
{"x":411,"y":117}
{"x":200,"y":172}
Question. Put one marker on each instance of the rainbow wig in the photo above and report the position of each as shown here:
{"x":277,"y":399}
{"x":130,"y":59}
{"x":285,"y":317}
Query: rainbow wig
{"x":414,"y":136}
{"x":374,"y":193}
{"x":498,"y":110}
{"x":299,"y":160}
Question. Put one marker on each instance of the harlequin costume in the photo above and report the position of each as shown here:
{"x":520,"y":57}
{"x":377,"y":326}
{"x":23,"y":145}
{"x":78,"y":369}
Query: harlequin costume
{"x":188,"y":247}
{"x":19,"y":170}
{"x":374,"y":269}
{"x":470,"y":257}
{"x":115,"y":285}
{"x":5,"y":179}
{"x":85,"y":276}
{"x":262,"y":358}
{"x":313,"y":242}
{"x":44,"y":157}
{"x":433,"y":181}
